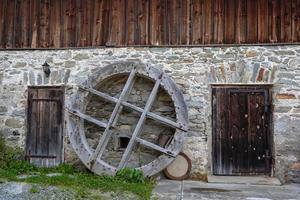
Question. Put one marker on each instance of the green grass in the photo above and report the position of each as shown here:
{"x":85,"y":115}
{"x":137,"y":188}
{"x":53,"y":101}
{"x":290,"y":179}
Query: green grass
{"x":81,"y":182}
{"x":127,"y":180}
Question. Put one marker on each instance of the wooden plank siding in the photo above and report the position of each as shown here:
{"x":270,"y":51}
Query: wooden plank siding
{"x":94,"y":23}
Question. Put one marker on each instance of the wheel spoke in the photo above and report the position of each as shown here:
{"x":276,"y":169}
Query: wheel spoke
{"x":107,"y":133}
{"x":88,"y":118}
{"x":140,"y":123}
{"x":155,"y":146}
{"x":151,"y":115}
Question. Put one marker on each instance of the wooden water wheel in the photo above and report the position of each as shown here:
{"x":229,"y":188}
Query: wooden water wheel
{"x":76,"y":115}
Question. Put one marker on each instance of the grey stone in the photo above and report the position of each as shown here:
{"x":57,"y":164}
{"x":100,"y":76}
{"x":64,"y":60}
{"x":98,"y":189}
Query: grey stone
{"x":25,"y":78}
{"x":70,"y":64}
{"x":282,"y":109}
{"x":13,"y":123}
{"x":39,"y":79}
{"x":172,"y":57}
{"x":266,"y":76}
{"x":284,"y":53}
{"x":274,"y":59}
{"x":20,"y":64}
{"x":286,"y":81}
{"x":81,"y":56}
{"x":226,"y":56}
{"x":49,"y":59}
{"x":158,"y":50}
{"x":13,"y":72}
{"x":285,"y":75}
{"x":19,"y":113}
{"x":3,"y":109}
{"x":255,"y":71}
{"x":31,"y":78}
{"x":65,"y":55}
{"x":54,"y":77}
{"x":67,"y":75}
{"x":294,"y":62}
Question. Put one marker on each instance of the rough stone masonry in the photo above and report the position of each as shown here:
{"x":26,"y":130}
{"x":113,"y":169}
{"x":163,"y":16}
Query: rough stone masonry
{"x":193,"y":69}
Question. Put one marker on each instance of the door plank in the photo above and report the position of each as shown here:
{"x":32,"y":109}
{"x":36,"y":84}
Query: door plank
{"x":240,"y":130}
{"x":45,"y":125}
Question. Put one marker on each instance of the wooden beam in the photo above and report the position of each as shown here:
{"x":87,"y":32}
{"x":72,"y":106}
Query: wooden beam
{"x":140,"y":123}
{"x":151,"y":115}
{"x":156,"y":147}
{"x":88,"y":118}
{"x":124,"y":100}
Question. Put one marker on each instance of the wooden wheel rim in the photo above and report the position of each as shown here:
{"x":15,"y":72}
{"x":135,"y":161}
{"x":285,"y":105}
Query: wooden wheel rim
{"x":75,"y":126}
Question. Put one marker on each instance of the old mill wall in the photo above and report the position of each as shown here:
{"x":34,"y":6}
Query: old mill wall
{"x":193,"y":69}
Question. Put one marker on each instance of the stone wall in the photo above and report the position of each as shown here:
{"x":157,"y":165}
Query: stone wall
{"x":191,"y":68}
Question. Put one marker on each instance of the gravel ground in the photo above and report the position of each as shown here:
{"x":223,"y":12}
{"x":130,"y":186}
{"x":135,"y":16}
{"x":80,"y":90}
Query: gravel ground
{"x":25,"y":191}
{"x":194,"y":190}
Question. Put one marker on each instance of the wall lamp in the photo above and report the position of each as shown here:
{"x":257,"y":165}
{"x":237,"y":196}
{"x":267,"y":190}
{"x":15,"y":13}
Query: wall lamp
{"x":46,"y":69}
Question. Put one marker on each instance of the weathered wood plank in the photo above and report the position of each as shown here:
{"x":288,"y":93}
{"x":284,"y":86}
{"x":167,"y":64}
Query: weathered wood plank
{"x":25,"y":23}
{"x":85,"y":18}
{"x":17,"y":38}
{"x":9,"y":32}
{"x":252,"y":21}
{"x":69,"y":25}
{"x":88,"y":118}
{"x":131,"y":15}
{"x":207,"y":22}
{"x":262,"y":21}
{"x":174,"y":21}
{"x":3,"y":15}
{"x":218,"y":22}
{"x":155,"y":147}
{"x":185,"y":22}
{"x":158,"y":22}
{"x":117,"y":26}
{"x":274,"y":21}
{"x":241,"y":25}
{"x":44,"y":24}
{"x":197,"y":22}
{"x":230,"y":27}
{"x":34,"y":21}
{"x":296,"y":20}
{"x":142,"y":27}
{"x":286,"y":24}
{"x":98,"y":23}
{"x":55,"y":24}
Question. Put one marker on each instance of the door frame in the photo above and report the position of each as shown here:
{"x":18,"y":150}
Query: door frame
{"x":210,"y":124}
{"x":62,"y":87}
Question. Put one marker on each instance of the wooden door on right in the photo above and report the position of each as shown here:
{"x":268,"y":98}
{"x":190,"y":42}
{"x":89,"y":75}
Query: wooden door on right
{"x":241,"y":142}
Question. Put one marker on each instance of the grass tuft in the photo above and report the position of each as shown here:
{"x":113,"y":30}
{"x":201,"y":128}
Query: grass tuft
{"x":126,"y":180}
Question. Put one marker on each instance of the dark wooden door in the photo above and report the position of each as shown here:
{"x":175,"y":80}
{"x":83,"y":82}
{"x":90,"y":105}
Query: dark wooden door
{"x":45,"y":125}
{"x":241,"y":130}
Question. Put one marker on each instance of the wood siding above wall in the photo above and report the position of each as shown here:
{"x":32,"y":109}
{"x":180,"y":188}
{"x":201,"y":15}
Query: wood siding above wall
{"x":92,"y":23}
